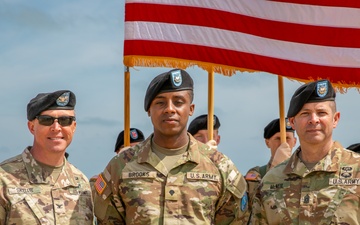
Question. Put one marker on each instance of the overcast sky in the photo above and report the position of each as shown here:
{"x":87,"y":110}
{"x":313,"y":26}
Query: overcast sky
{"x":78,"y":45}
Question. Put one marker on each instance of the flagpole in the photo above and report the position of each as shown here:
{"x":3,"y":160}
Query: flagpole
{"x":127,"y":106}
{"x":210,"y":118}
{"x":281,"y":109}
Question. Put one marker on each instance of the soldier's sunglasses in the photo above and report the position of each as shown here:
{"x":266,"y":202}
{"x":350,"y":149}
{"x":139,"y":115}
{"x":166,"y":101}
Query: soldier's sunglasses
{"x":49,"y":120}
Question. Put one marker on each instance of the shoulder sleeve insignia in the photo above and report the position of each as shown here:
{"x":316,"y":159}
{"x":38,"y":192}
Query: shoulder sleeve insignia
{"x":100,"y":184}
{"x":244,"y":202}
{"x":251,"y":176}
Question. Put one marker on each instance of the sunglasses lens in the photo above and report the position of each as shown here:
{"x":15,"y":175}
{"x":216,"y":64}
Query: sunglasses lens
{"x":49,"y":120}
{"x":46,"y":120}
{"x":65,"y":120}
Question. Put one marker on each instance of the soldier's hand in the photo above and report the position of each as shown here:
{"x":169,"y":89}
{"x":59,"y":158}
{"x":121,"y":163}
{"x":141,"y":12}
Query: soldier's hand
{"x":282,"y":153}
{"x":212,"y":143}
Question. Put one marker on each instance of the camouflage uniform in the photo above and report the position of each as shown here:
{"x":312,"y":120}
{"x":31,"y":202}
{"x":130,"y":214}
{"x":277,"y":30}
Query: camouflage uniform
{"x":204,"y":187}
{"x":26,"y":198}
{"x":327,"y":194}
{"x":253,"y":178}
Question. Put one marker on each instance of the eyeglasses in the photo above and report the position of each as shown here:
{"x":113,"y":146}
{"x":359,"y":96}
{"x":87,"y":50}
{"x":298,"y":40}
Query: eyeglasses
{"x":49,"y":120}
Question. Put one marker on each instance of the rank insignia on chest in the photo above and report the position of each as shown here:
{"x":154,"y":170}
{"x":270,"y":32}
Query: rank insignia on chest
{"x":100,"y":184}
{"x":306,"y":199}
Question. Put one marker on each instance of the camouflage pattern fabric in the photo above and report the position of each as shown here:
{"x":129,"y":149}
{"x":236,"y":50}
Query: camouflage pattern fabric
{"x":92,"y":183}
{"x":327,"y":194}
{"x":27,"y":198}
{"x":253,"y":178}
{"x":204,"y":187}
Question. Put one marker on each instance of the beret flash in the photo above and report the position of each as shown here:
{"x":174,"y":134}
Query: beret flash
{"x":63,"y":99}
{"x":200,"y":123}
{"x":173,"y":80}
{"x":317,"y":91}
{"x":354,"y":147}
{"x":135,"y":136}
{"x":274,"y":126}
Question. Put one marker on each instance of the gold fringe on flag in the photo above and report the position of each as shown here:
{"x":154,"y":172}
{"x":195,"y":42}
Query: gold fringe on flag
{"x":150,"y":61}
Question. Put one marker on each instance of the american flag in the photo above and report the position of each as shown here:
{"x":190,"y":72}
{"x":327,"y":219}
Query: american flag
{"x":302,"y":40}
{"x":100,"y":184}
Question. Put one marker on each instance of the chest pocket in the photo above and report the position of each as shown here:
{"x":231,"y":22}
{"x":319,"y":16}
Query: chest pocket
{"x":24,"y":206}
{"x":273,"y":197}
{"x":139,"y":185}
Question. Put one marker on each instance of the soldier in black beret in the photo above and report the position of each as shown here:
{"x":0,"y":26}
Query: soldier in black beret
{"x":42,"y":171}
{"x":278,"y":152}
{"x":136,"y":136}
{"x":170,"y":167}
{"x":198,"y":128}
{"x":274,"y":127}
{"x":174,"y":80}
{"x":317,"y":91}
{"x":319,"y":167}
{"x":62,"y":99}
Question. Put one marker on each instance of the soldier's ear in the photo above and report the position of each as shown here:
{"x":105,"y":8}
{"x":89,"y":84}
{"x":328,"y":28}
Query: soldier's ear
{"x":31,"y":126}
{"x":267,"y":143}
{"x":192,"y":108}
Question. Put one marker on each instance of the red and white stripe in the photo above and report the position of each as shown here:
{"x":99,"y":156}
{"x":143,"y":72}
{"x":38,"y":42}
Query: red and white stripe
{"x":303,"y":40}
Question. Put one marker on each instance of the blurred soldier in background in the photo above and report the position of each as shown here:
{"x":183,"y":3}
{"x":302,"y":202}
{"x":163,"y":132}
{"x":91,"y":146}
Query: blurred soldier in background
{"x":279,"y":153}
{"x":199,"y":130}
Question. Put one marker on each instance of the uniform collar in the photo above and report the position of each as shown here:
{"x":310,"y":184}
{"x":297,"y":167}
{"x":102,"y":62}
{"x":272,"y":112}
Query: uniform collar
{"x":145,"y":153}
{"x":329,"y":163}
{"x":35,"y":173}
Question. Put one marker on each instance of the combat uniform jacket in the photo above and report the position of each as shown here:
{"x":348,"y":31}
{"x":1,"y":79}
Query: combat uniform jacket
{"x":204,"y":187}
{"x":329,"y":193}
{"x":26,"y":198}
{"x":253,"y":178}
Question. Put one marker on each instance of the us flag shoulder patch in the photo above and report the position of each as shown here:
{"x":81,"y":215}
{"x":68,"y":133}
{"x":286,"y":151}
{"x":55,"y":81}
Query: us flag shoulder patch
{"x":100,"y":184}
{"x":251,"y":176}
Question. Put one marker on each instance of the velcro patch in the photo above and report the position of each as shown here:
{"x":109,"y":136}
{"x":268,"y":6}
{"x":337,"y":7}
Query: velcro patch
{"x":139,"y":174}
{"x":244,"y":202}
{"x":21,"y":190}
{"x":202,"y":176}
{"x":339,"y":181}
{"x":100,"y":184}
{"x":252,"y":176}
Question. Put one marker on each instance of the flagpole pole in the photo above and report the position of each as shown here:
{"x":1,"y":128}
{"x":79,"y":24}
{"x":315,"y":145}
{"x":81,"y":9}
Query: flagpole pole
{"x":281,"y":109}
{"x":127,"y":106}
{"x":210,"y":119}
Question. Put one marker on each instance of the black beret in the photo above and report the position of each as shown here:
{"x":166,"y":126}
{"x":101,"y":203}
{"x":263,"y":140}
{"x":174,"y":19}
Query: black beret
{"x":200,"y":123}
{"x":317,"y":91}
{"x":274,"y":126}
{"x":354,"y":147}
{"x":63,"y":99}
{"x":173,"y":80}
{"x":135,"y":136}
